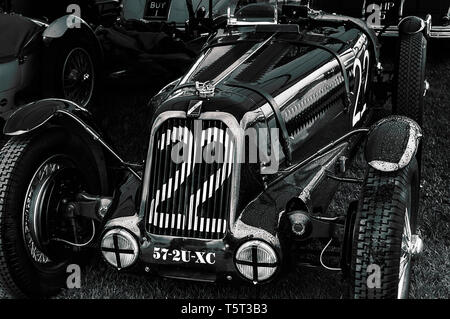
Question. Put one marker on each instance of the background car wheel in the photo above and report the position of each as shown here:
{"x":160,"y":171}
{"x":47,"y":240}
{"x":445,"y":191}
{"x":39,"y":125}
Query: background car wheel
{"x":410,"y":77}
{"x":38,"y":174}
{"x":385,"y":234}
{"x":70,"y":71}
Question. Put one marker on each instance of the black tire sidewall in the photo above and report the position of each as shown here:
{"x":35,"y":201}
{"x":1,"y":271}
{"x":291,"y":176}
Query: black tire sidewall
{"x":30,"y":280}
{"x":382,"y":219}
{"x":408,"y":99}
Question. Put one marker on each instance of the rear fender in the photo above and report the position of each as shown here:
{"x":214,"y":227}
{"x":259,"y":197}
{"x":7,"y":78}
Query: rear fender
{"x":45,"y":114}
{"x":412,"y":25}
{"x":392,"y":143}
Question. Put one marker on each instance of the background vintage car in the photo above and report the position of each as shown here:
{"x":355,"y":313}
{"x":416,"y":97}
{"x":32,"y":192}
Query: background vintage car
{"x":37,"y":39}
{"x":39,"y":49}
{"x":172,"y":11}
{"x":392,"y":11}
{"x":94,"y":11}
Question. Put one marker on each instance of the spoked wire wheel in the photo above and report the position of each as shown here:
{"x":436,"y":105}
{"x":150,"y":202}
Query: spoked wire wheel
{"x":40,"y":230}
{"x":411,"y":245}
{"x":45,"y":220}
{"x":78,"y":77}
{"x":405,"y":260}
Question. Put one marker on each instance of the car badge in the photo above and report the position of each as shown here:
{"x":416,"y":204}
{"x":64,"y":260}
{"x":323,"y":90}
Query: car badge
{"x":205,"y":90}
{"x":195,"y":109}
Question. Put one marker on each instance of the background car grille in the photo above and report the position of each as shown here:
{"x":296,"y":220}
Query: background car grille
{"x":191,"y":198}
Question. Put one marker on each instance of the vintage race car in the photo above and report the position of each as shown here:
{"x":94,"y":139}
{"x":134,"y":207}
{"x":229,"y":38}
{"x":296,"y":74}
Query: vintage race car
{"x":50,"y":59}
{"x":384,"y":15}
{"x":245,"y":154}
{"x":68,"y":58}
{"x":95,"y":11}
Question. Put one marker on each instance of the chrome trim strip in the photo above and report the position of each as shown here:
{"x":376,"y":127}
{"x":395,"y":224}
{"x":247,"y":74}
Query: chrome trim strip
{"x":231,"y":68}
{"x":194,"y":67}
{"x":241,"y":61}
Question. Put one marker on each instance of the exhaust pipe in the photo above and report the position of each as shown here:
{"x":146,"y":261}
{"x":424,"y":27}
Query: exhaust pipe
{"x":300,"y":223}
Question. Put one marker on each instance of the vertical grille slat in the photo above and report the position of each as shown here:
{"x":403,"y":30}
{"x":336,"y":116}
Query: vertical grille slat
{"x":191,"y":199}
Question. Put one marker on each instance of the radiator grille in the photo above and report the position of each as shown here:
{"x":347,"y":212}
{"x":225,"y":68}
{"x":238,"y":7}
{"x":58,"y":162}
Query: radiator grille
{"x":190,"y":197}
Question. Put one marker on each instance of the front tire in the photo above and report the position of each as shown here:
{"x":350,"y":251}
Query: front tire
{"x":385,"y":227}
{"x":410,"y":86}
{"x":38,"y":172}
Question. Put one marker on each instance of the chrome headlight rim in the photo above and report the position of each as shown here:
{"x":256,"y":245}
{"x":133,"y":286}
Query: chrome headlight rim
{"x":131,"y":238}
{"x":257,"y":242}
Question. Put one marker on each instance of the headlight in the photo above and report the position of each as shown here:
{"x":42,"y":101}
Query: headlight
{"x":119,"y":248}
{"x":256,"y":261}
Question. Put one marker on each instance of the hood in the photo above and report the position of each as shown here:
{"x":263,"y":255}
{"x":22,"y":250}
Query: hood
{"x":272,"y":62}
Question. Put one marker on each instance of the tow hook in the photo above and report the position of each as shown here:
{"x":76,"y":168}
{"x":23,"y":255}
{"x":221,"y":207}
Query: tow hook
{"x":89,"y":206}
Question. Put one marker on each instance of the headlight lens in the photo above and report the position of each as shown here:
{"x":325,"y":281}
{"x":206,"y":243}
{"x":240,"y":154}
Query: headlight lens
{"x":119,"y":248}
{"x":256,"y":261}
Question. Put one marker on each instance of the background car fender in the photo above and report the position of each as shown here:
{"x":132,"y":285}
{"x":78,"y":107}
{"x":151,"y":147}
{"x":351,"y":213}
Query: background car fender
{"x":392,"y":143}
{"x":50,"y":113}
{"x":72,"y":25}
{"x":413,"y":25}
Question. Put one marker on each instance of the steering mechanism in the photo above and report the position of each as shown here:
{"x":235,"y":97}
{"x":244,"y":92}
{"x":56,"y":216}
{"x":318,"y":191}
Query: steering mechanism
{"x":199,"y":20}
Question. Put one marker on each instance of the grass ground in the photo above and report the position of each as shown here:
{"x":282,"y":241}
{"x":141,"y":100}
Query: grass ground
{"x":125,"y":114}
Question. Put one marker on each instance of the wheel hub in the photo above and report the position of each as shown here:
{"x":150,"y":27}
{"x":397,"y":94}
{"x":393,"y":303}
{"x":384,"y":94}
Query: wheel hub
{"x":44,"y":208}
{"x":78,"y":77}
{"x":415,"y":246}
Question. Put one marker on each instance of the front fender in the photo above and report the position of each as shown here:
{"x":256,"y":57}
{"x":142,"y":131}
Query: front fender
{"x":45,"y":114}
{"x":32,"y":116}
{"x":72,"y":25}
{"x":60,"y":26}
{"x":412,"y":25}
{"x":392,"y":143}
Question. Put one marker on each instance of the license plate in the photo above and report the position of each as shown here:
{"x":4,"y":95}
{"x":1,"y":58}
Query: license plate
{"x":158,"y":9}
{"x":183,"y":256}
{"x":384,"y":10}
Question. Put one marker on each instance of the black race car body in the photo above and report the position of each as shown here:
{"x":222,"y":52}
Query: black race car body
{"x":276,"y":80}
{"x":384,"y":16}
{"x":245,"y":154}
{"x":280,"y":81}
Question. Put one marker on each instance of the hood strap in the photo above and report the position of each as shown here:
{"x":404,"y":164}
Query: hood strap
{"x":286,"y":144}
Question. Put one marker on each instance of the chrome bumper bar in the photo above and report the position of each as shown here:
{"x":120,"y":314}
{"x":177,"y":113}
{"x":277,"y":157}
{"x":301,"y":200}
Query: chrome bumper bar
{"x":437,"y":32}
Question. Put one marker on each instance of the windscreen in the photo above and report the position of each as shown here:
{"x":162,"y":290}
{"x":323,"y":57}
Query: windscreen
{"x":221,"y":6}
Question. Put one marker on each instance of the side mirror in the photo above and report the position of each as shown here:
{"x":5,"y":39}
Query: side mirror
{"x":392,"y":143}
